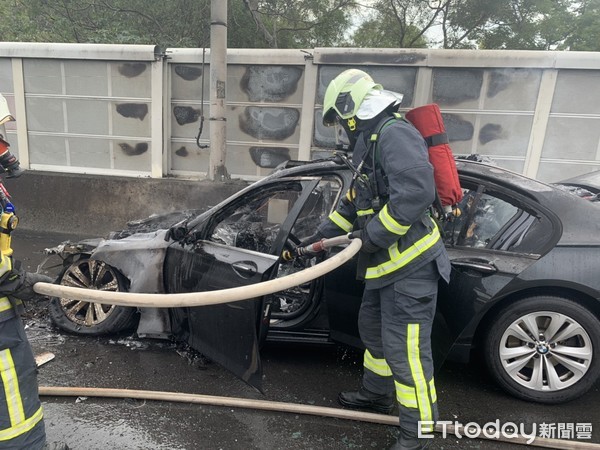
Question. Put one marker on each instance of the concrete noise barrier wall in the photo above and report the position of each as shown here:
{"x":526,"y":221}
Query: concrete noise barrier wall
{"x":89,"y":205}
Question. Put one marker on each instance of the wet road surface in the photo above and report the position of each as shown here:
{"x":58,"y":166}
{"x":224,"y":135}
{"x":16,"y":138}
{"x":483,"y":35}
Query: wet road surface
{"x":292,"y":373}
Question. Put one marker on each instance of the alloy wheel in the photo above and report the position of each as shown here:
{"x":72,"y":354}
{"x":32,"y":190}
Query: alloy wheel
{"x":88,"y":274}
{"x":546,"y":351}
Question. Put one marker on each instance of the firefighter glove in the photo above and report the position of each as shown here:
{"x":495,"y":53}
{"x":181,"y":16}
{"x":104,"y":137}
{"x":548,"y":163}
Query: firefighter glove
{"x":367,"y":244}
{"x":315,"y":237}
{"x":18,"y":283}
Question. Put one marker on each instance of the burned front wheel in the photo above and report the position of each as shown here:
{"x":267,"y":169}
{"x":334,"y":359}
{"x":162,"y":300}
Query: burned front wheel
{"x":93,"y":319}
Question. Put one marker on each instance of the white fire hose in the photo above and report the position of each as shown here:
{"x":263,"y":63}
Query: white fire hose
{"x":237,"y":294}
{"x":189,"y":299}
{"x":294,"y":408}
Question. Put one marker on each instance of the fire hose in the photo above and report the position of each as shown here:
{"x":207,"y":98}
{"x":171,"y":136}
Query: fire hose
{"x":242,"y":293}
{"x":321,"y":411}
{"x":147,"y":300}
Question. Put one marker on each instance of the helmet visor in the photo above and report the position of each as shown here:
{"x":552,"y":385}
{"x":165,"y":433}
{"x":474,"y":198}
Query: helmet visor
{"x":329,"y":117}
{"x":344,"y":108}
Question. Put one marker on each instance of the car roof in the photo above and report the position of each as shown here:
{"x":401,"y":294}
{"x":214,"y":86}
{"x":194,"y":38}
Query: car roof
{"x":580,"y":218}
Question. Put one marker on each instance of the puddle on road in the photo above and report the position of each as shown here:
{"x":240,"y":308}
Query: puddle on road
{"x":101,"y":425}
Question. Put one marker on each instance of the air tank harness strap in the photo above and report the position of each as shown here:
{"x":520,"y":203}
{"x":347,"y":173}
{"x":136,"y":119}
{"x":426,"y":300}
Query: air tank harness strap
{"x":436,"y":139}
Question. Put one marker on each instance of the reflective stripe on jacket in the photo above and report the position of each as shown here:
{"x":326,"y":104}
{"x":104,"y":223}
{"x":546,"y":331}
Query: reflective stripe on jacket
{"x":18,"y":421}
{"x":401,"y":227}
{"x":21,"y":413}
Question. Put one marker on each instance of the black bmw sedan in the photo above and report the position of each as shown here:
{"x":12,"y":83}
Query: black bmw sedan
{"x":524,"y":289}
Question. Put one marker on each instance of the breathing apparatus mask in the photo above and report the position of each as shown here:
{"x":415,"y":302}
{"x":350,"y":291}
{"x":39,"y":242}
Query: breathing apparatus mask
{"x":344,"y":138}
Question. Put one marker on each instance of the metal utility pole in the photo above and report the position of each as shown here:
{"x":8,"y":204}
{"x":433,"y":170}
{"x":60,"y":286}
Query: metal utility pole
{"x":218,"y":78}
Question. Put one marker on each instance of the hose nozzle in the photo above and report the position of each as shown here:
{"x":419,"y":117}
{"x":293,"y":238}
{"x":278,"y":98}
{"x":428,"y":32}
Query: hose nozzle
{"x":316,"y":247}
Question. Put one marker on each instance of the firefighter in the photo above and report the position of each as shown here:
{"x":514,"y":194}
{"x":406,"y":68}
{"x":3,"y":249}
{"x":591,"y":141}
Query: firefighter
{"x":21,"y":415}
{"x":402,"y":256}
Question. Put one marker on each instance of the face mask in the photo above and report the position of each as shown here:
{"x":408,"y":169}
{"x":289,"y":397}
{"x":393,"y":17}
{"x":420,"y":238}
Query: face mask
{"x":345,"y":133}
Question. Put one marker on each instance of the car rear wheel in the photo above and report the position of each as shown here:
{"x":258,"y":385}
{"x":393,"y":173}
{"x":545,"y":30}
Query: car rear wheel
{"x":544,"y":349}
{"x":87,"y":318}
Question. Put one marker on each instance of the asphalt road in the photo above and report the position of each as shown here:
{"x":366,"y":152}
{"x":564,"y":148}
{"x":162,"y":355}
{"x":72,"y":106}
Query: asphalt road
{"x":292,"y":373}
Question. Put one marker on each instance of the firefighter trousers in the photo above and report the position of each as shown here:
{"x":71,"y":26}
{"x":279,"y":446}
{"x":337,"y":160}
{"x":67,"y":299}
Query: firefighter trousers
{"x":395,"y":324}
{"x":21,"y":417}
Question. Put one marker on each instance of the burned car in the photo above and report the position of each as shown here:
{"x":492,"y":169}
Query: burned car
{"x":524,"y":289}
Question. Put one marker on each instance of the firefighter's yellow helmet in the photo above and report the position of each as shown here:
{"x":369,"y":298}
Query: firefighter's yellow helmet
{"x":345,"y":94}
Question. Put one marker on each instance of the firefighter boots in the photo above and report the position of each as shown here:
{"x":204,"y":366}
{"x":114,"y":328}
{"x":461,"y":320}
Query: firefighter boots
{"x":408,"y":440}
{"x":364,"y":399}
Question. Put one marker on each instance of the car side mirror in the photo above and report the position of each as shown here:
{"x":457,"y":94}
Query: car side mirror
{"x":176,"y":233}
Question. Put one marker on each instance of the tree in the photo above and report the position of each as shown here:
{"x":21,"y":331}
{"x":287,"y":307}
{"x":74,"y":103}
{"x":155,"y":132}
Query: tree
{"x":586,"y":32}
{"x":301,"y":23}
{"x":396,"y":23}
{"x":17,"y":23}
{"x":176,"y":23}
{"x":527,"y":25}
{"x":492,"y":24}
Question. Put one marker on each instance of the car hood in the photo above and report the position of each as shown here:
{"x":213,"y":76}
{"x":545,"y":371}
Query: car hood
{"x":156,"y":222}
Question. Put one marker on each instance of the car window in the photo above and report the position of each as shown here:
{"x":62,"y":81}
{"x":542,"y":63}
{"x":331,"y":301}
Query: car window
{"x":254,"y":221}
{"x":490,"y":220}
{"x":296,"y":301}
{"x":318,"y":206}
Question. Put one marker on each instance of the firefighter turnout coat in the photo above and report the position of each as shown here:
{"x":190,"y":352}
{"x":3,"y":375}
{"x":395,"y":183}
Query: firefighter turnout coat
{"x":21,"y":424}
{"x":391,"y":202}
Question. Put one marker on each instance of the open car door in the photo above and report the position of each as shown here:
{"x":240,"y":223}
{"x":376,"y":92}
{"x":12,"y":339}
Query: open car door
{"x":239,"y":245}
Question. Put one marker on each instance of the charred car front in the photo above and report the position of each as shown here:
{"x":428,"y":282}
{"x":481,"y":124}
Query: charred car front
{"x":524,"y":288}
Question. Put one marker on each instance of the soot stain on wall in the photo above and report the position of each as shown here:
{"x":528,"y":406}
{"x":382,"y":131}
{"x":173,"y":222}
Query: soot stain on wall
{"x":378,"y":58}
{"x":499,"y":81}
{"x":132,"y":70}
{"x":138,"y":149}
{"x":182,"y":151}
{"x":502,"y":79}
{"x":269,"y":157}
{"x":270,"y":83}
{"x":269,"y":123}
{"x":133,"y":110}
{"x":491,"y":132}
{"x":457,"y":128}
{"x":188,"y":73}
{"x":455,"y":86}
{"x":186,"y":114}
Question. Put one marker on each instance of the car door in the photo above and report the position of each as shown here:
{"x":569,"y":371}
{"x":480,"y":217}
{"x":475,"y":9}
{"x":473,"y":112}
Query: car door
{"x":239,"y":245}
{"x":498,"y":234}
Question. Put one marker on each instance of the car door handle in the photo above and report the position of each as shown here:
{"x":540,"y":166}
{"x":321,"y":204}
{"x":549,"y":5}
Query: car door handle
{"x":480,"y":265}
{"x":244,"y":269}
